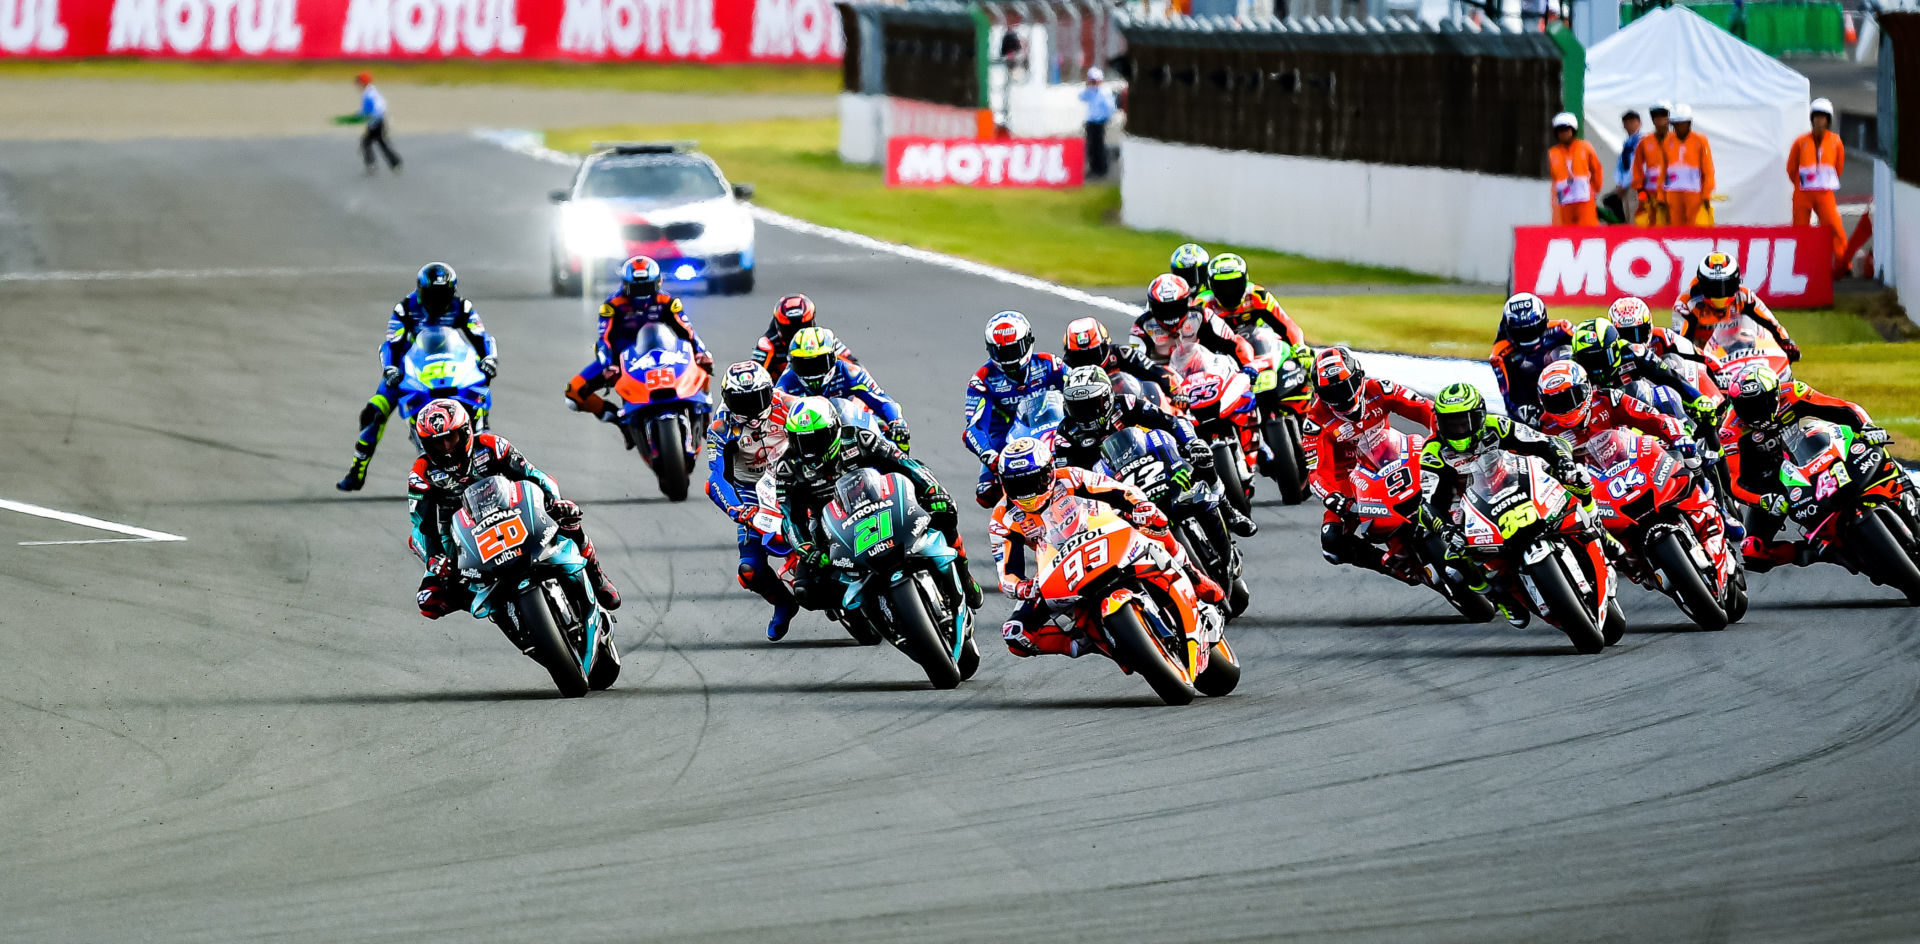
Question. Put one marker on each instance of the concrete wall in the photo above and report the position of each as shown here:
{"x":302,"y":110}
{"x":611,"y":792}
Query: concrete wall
{"x":1896,"y":236}
{"x":1442,"y":222}
{"x":867,"y":121}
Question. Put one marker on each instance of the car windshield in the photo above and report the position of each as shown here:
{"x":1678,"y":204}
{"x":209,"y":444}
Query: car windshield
{"x":678,"y":181}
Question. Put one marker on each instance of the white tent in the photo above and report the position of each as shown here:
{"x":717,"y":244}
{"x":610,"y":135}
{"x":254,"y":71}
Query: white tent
{"x":1749,"y":106}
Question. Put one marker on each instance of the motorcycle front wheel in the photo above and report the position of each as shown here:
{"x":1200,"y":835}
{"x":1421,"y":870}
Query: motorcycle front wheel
{"x":550,"y":646}
{"x":1139,"y":650}
{"x":1563,"y":605}
{"x":919,"y":637}
{"x":670,"y":461}
{"x":1226,"y":461}
{"x":1690,"y":590}
{"x":1288,"y":470}
{"x":1882,"y":556}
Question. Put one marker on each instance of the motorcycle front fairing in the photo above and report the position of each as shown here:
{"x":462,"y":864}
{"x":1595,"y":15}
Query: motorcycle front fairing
{"x":441,"y":363}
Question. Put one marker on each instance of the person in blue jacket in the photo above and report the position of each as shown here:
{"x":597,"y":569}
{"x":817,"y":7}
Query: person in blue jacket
{"x":816,"y":369}
{"x":1012,"y":374}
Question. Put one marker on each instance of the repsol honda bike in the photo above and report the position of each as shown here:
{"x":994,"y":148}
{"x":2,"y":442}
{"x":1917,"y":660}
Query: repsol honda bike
{"x":1150,"y":460}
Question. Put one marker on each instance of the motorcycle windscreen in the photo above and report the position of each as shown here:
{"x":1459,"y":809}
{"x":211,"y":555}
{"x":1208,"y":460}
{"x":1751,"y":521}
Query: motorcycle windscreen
{"x":1493,"y":474}
{"x":441,"y":358}
{"x":1808,"y":447}
{"x":505,"y":524}
{"x":1037,"y":414}
{"x":1381,"y":446}
{"x":1612,"y":450}
{"x":1141,"y":457}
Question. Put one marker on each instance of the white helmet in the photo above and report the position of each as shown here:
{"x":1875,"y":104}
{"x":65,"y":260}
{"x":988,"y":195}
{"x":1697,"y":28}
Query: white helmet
{"x":1821,"y":106}
{"x":1566,"y":120}
{"x":1680,"y":113}
{"x":1010,"y":342}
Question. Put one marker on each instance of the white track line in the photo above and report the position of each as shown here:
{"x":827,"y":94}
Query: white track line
{"x":138,"y":534}
{"x":148,"y":275}
{"x":1423,"y":374}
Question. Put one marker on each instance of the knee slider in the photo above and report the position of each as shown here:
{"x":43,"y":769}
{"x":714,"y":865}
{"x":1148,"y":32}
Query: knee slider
{"x":748,"y":575}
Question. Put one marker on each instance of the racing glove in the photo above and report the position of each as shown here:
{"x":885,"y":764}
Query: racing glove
{"x":1774,"y":503}
{"x":704,"y":359}
{"x":1028,"y":589}
{"x":1200,"y":454}
{"x":1017,"y":640}
{"x":1527,"y":414}
{"x":566,"y":514}
{"x":744,"y":514}
{"x":391,"y":375}
{"x":1689,"y":452}
{"x":1792,"y":349}
{"x":901,"y":436}
{"x":1252,"y":372}
{"x":1875,"y":435}
{"x":490,"y":366}
{"x":990,"y":458}
{"x":938,"y":501}
{"x":1337,"y":502}
{"x":1147,"y":518}
{"x":440,"y":565}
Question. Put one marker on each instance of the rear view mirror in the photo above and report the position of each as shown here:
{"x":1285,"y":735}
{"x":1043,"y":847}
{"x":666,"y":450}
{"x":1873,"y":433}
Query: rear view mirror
{"x":558,"y":196}
{"x":743,"y":191}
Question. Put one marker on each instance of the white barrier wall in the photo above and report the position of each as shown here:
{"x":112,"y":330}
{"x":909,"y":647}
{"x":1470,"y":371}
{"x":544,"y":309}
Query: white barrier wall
{"x":1896,"y":236}
{"x":863,"y":138}
{"x":1441,"y":222}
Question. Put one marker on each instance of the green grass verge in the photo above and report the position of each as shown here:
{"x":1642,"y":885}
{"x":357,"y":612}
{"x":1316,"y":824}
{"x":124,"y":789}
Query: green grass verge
{"x":635,"y":77}
{"x":1843,"y":355}
{"x":1067,"y":236}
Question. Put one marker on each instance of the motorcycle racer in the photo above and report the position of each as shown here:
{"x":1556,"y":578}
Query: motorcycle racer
{"x":1243,"y":304}
{"x":638,"y":302}
{"x":1752,"y":437}
{"x":816,"y":368}
{"x":1092,"y":412}
{"x":1013,"y":374}
{"x":1171,"y":321}
{"x":1573,"y":408}
{"x":747,"y":437}
{"x":1033,"y":483}
{"x":1189,"y":262}
{"x":454,"y":457}
{"x":435,"y":301}
{"x":1087,"y":344}
{"x":1463,"y":431}
{"x":1715,"y":295}
{"x":790,"y":315}
{"x":1634,"y":320}
{"x":1526,"y":342}
{"x":1346,"y":404}
{"x":820,"y":449}
{"x":1612,"y":363}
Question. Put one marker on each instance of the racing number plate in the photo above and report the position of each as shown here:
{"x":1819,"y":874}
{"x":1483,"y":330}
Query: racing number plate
{"x":1086,"y":558}
{"x":500,"y":539}
{"x":1517,"y":517}
{"x":870,"y":531}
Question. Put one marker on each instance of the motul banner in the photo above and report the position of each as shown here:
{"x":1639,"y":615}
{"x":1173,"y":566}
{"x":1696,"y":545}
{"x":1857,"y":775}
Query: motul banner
{"x":1788,"y":266}
{"x":782,"y":31}
{"x":968,"y":162}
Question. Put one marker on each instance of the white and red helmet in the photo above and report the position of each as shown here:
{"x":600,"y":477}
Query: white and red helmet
{"x":1010,"y":342}
{"x":1632,"y":318}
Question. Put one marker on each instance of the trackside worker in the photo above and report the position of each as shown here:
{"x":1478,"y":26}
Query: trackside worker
{"x":1576,"y":175}
{"x":1814,"y":164}
{"x":1650,"y":166}
{"x":1689,"y":170}
{"x":1623,"y":170}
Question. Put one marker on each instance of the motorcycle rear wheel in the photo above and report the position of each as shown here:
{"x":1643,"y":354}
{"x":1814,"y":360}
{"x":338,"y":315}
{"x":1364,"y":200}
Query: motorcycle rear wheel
{"x":1135,"y":648}
{"x":550,"y":647}
{"x":1690,"y":590}
{"x":922,"y":641}
{"x":670,"y":466}
{"x":1288,"y":469}
{"x":1563,"y":606}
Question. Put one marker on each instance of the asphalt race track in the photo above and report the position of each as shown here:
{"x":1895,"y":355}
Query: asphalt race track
{"x":252,"y":736}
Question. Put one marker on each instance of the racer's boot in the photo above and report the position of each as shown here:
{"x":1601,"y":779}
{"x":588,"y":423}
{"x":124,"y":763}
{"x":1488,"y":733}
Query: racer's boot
{"x":356,"y":473}
{"x":1204,"y":586}
{"x":1806,"y":553}
{"x":1762,"y":555}
{"x":1238,"y":523}
{"x":972,"y":587}
{"x":783,"y":613}
{"x":603,"y":588}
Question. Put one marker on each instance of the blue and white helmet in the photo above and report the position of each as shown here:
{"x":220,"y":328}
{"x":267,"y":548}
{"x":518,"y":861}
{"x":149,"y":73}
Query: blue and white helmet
{"x":1525,"y":320}
{"x":1026,"y":472}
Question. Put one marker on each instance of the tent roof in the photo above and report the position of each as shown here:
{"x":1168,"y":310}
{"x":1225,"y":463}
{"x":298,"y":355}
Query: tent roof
{"x":1676,"y":55}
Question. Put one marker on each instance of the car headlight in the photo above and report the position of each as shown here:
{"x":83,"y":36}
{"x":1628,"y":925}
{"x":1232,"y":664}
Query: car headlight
{"x":591,"y":232}
{"x":731,"y":232}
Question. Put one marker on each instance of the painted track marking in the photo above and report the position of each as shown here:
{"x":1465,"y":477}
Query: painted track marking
{"x":139,"y":535}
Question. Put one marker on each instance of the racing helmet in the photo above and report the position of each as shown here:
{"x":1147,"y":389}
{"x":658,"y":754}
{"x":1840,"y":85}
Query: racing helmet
{"x":1718,"y":279}
{"x":435,"y":286}
{"x":1339,"y":381}
{"x":1189,"y":262}
{"x":793,"y":313}
{"x":1599,"y":349}
{"x":811,"y":357}
{"x":1566,"y":395}
{"x":640,"y":277}
{"x":446,"y":434}
{"x":1227,"y":280}
{"x":813,"y":432}
{"x":747,"y":391}
{"x":1010,"y":343}
{"x":1756,"y":396}
{"x":1524,"y":319}
{"x":1460,"y":417}
{"x":1088,"y":393}
{"x":1632,"y":319}
{"x":1026,"y":473}
{"x":1086,"y":343}
{"x":1167,"y":299}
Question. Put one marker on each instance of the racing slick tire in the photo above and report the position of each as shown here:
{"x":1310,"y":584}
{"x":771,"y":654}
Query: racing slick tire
{"x":919,"y":637}
{"x":1288,"y":469}
{"x":1882,"y":556}
{"x":969,"y":661}
{"x":670,"y":466}
{"x":549,"y":646}
{"x":1615,"y":628}
{"x":1690,"y":590}
{"x":1227,"y":462}
{"x":1563,"y":606}
{"x":1737,"y":595}
{"x":1473,"y":607}
{"x":1137,"y":649}
{"x":1222,"y":673}
{"x":606,"y":662}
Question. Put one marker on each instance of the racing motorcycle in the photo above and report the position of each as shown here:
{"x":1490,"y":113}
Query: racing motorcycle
{"x":665,"y":407}
{"x":441,"y":363}
{"x":1846,"y":493}
{"x":899,"y":573}
{"x":1386,"y":504}
{"x":1221,"y":404}
{"x":1127,"y":596}
{"x":532,"y":583}
{"x":1739,"y":344}
{"x":1283,"y":394}
{"x":1671,"y":531}
{"x":1128,"y":384}
{"x":1038,"y":416}
{"x":1150,"y":460}
{"x":1521,"y":525}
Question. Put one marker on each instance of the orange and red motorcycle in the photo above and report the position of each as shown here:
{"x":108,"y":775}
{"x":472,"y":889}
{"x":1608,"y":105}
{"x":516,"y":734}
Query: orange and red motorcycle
{"x":1125,"y":594}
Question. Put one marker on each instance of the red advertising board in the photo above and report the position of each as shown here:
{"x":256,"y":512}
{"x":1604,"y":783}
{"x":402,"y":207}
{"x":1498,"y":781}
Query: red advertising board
{"x":1788,"y":266}
{"x":967,"y":162}
{"x":786,"y":31}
